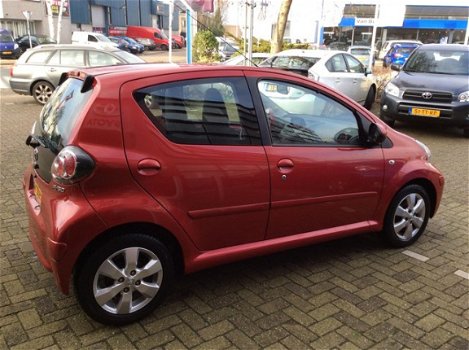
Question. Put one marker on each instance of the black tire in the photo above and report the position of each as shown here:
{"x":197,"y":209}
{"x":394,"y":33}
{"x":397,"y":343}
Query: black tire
{"x":90,"y":279}
{"x":164,"y":48}
{"x":370,"y":98}
{"x":409,"y":209}
{"x":41,"y":91}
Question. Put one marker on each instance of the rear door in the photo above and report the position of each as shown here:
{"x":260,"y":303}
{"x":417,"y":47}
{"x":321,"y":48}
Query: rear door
{"x":356,"y":75}
{"x":337,"y":75}
{"x":64,"y":61}
{"x":193,"y":143}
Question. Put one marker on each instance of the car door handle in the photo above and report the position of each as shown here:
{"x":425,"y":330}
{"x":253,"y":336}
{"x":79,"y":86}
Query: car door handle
{"x":337,"y":80}
{"x":52,"y":70}
{"x":285,"y":165}
{"x":148,"y":167}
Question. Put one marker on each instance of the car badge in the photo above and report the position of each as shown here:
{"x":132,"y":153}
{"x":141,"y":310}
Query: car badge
{"x":35,"y":158}
{"x":427,"y":95}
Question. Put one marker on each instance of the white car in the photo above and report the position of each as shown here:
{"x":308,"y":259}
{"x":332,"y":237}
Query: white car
{"x":337,"y":69}
{"x":240,"y":60}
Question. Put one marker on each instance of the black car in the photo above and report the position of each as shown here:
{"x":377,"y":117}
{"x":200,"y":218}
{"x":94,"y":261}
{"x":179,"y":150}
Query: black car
{"x":432,"y":86}
{"x":23,"y":41}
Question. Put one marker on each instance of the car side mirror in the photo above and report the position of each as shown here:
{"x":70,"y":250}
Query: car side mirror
{"x":376,"y":134}
{"x":396,"y":67}
{"x":368,"y":71}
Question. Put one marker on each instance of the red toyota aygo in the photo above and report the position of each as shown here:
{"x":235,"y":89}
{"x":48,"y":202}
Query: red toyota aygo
{"x":145,"y":171}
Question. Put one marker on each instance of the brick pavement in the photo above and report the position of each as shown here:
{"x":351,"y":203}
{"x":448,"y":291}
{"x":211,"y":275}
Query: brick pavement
{"x":348,"y":294}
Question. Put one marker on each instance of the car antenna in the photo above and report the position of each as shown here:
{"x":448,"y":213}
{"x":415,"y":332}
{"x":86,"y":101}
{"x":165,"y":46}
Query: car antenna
{"x":207,"y":28}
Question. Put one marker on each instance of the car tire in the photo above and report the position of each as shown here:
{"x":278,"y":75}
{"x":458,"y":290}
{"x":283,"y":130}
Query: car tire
{"x":164,"y":47}
{"x":370,"y":98}
{"x":123,"y":279}
{"x":42,"y":91}
{"x":407,"y":216}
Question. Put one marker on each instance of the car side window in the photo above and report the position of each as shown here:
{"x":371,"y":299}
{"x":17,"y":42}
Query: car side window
{"x":300,"y":116}
{"x":55,"y":59}
{"x":39,"y":57}
{"x":92,"y":38}
{"x":202,"y":111}
{"x":96,"y":59}
{"x":354,"y":65}
{"x":74,"y":58}
{"x":336,"y":64}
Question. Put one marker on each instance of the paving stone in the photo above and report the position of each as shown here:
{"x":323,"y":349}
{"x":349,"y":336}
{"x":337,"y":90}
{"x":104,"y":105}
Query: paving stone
{"x":429,"y":322}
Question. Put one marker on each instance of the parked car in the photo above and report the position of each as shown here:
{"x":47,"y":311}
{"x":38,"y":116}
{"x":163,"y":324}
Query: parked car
{"x":240,"y":60}
{"x":388,"y":45}
{"x":96,"y":39}
{"x":398,"y":54}
{"x":431,"y":87}
{"x":121,"y":43}
{"x":37,"y":72}
{"x":154,"y":34}
{"x":226,"y":50}
{"x":147,"y":43}
{"x":336,"y":69}
{"x":134,"y":46}
{"x":141,"y":173}
{"x":8,"y":47}
{"x":362,"y":53}
{"x":179,"y":40}
{"x":36,"y":39}
{"x":339,"y":46}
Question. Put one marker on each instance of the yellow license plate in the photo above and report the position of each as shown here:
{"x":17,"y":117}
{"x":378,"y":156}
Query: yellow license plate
{"x":423,"y":112}
{"x":7,"y":52}
{"x":271,"y":87}
{"x":37,"y":192}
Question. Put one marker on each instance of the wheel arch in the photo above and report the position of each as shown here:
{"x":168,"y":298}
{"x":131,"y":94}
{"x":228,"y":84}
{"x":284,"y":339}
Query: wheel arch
{"x":150,"y":229}
{"x":429,"y":188}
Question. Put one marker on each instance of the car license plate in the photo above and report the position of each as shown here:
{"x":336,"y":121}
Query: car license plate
{"x":423,"y":112}
{"x":6,"y":52}
{"x":271,"y":87}
{"x":37,"y":192}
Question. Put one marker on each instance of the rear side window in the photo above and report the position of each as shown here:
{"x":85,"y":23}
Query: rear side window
{"x":354,"y":65}
{"x":59,"y":115}
{"x":74,"y":58}
{"x":202,"y":111}
{"x":97,"y":59}
{"x":39,"y":57}
{"x":336,"y":64}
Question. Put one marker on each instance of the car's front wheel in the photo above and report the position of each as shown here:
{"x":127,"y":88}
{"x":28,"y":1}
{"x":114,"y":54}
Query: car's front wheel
{"x":124,"y":279}
{"x":370,"y":98}
{"x":42,"y":91}
{"x":407,"y":216}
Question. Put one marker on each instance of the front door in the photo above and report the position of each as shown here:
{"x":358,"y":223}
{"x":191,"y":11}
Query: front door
{"x":193,"y":143}
{"x":321,"y":176}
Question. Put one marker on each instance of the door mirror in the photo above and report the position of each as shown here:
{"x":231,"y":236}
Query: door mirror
{"x":396,"y":67}
{"x":376,"y":134}
{"x":368,"y":71}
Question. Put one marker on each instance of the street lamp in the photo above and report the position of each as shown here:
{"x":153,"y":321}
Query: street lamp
{"x":27,"y":15}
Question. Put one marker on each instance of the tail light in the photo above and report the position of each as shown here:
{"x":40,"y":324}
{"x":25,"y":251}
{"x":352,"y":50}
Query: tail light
{"x":11,"y":71}
{"x":71,"y":165}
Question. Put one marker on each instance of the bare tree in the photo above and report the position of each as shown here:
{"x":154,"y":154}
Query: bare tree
{"x":277,"y":39}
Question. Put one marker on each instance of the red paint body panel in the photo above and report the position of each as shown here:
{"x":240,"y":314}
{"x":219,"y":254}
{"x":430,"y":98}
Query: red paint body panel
{"x":221,"y":203}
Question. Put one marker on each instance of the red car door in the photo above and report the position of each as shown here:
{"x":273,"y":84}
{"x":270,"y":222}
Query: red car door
{"x":193,"y":143}
{"x":321,"y":177}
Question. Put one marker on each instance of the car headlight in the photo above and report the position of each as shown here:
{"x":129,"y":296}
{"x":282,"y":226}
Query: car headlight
{"x":392,"y":90}
{"x":15,"y":46}
{"x":463,"y":96}
{"x":426,"y":149}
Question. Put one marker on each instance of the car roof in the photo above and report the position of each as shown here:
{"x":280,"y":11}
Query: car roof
{"x":75,"y":46}
{"x":444,"y":47}
{"x":308,"y":53}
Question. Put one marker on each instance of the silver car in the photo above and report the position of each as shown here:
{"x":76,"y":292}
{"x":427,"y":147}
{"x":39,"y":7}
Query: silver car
{"x":37,"y":72}
{"x":337,"y":69}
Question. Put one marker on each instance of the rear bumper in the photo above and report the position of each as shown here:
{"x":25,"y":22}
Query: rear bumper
{"x":454,"y":114}
{"x":21,"y":86}
{"x":58,"y":226}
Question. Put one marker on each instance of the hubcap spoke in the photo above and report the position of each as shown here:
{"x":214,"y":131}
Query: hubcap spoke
{"x":401,"y":212}
{"x":411,"y":200}
{"x":419,"y":207}
{"x":408,"y":231}
{"x":131,"y":258}
{"x":104,"y":295}
{"x":108,"y":268}
{"x":151,"y":268}
{"x":124,"y":305}
{"x":418,"y":222}
{"x":399,"y":226}
{"x":148,"y":290}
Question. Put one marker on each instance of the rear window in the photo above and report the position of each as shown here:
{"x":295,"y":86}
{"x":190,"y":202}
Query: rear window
{"x":59,"y":115}
{"x":294,"y":62}
{"x":39,"y":57}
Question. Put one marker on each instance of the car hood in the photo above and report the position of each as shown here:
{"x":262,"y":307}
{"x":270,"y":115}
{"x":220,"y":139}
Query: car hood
{"x":432,"y":82}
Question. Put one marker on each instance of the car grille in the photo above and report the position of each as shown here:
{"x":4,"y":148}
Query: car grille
{"x":437,"y":96}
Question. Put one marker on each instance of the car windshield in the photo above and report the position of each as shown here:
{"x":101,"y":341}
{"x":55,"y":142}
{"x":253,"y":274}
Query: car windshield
{"x":130,"y":40}
{"x":439,"y":62}
{"x":360,"y":52}
{"x":5,"y":38}
{"x":128,"y":57}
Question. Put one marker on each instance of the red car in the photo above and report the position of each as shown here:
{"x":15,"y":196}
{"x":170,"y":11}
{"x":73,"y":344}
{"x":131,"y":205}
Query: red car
{"x":145,"y":171}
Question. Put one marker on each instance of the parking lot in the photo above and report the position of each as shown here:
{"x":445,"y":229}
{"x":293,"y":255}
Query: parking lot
{"x":352,"y":293}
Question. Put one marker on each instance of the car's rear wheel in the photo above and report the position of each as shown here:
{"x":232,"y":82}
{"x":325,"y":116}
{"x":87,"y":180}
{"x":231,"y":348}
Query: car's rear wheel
{"x":407,"y":216}
{"x":370,"y":98}
{"x":164,"y":47}
{"x":124,"y":279}
{"x":42,"y":91}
